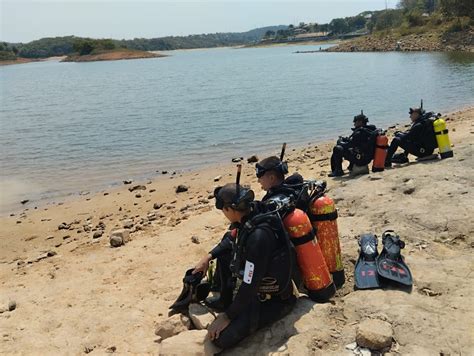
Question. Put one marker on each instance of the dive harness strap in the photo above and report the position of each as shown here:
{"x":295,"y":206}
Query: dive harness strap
{"x":323,"y":217}
{"x":442,"y":132}
{"x":302,"y":240}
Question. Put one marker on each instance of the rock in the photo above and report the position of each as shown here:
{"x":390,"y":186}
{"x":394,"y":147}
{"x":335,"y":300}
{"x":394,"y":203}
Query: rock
{"x":192,"y":342}
{"x":237,"y":159}
{"x":97,"y":234}
{"x":164,"y":172}
{"x":111,"y":349}
{"x":151,"y":216}
{"x":195,"y":240}
{"x":128,"y":181}
{"x":252,"y":159}
{"x":137,"y":187}
{"x":116,"y":241}
{"x":64,"y":226}
{"x":88,"y":348}
{"x":152,"y":190}
{"x":172,"y":326}
{"x":181,"y":188}
{"x":217,"y":178}
{"x":127,"y":224}
{"x":200,"y":316}
{"x":119,"y":237}
{"x":11,"y":305}
{"x":138,"y":195}
{"x":409,"y":187}
{"x":374,"y":334}
{"x":156,"y":206}
{"x":24,"y":201}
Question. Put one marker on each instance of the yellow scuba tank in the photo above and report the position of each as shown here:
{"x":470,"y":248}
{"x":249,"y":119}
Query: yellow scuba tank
{"x":442,"y":138}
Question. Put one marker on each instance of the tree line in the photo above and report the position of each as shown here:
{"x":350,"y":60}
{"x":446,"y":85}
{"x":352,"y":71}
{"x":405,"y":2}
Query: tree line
{"x":67,"y":45}
{"x":408,"y":14}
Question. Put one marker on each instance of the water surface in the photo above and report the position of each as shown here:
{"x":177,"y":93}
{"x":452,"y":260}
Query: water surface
{"x":70,"y":127}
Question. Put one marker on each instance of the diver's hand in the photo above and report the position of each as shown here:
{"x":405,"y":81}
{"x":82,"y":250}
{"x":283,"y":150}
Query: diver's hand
{"x":203,"y":264}
{"x":216,"y":327}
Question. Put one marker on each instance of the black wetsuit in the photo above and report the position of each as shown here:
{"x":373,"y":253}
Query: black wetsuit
{"x":354,"y":148}
{"x":412,"y":141}
{"x":261,"y":257}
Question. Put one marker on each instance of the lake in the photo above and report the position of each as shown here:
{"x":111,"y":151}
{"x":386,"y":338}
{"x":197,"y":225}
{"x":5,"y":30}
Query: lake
{"x":71,"y":127}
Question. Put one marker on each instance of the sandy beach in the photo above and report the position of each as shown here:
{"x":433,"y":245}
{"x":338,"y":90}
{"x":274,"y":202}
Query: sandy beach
{"x":73,"y":293}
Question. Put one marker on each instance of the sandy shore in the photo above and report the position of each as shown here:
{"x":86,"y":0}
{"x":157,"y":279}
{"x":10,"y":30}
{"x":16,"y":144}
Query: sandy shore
{"x":73,"y":291}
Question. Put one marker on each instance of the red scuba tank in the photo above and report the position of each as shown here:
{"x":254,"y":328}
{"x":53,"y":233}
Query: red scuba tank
{"x":381,"y":146}
{"x":314,"y":270}
{"x":324,"y":220}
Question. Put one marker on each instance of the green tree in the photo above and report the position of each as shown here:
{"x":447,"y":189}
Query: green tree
{"x":339,"y":26}
{"x":457,"y":8}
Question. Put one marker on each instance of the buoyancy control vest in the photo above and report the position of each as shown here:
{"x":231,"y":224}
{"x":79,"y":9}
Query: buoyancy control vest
{"x":281,"y":268}
{"x":428,"y":136}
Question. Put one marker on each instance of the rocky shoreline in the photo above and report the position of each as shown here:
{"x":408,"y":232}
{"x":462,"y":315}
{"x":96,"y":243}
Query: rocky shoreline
{"x":97,"y":274}
{"x":430,"y":42}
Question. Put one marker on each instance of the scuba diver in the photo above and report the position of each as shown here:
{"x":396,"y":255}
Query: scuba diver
{"x":320,"y":211}
{"x":255,"y":253}
{"x":271,"y":173}
{"x":416,"y":141}
{"x":358,"y":148}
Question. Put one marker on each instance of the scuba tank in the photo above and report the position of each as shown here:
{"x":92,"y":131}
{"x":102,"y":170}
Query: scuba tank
{"x":381,"y":146}
{"x":323,"y":215}
{"x":315,"y":272}
{"x":442,"y":138}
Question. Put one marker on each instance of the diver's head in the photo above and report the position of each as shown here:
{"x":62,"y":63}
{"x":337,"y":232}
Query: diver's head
{"x":234,"y":200}
{"x":360,"y":120}
{"x":415,"y":113}
{"x":271,"y":172}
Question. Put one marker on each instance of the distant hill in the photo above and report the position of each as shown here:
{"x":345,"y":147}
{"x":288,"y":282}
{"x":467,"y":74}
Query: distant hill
{"x":61,"y":46}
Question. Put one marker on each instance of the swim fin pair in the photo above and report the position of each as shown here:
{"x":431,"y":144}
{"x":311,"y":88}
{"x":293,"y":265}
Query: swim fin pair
{"x":373,"y":270}
{"x":194,"y":290}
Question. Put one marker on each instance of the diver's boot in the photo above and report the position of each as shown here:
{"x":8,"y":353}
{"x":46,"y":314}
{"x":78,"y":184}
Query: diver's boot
{"x":336,"y":173}
{"x":220,"y":303}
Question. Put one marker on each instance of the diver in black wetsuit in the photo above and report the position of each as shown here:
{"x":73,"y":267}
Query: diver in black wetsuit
{"x":257,"y":254}
{"x":358,"y":148}
{"x":415,"y":141}
{"x":271,"y":173}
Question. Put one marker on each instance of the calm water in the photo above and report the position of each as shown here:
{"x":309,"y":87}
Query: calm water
{"x":70,"y":127}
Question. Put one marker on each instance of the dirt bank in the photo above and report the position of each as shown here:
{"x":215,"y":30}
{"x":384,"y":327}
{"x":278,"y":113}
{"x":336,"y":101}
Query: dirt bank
{"x":114,"y":55}
{"x":430,"y":41}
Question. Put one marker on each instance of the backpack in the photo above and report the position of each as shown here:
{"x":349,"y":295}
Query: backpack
{"x":366,"y":152}
{"x":428,"y":137}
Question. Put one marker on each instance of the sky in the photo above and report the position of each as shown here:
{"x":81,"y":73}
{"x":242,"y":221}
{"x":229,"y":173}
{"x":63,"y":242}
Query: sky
{"x":27,"y":20}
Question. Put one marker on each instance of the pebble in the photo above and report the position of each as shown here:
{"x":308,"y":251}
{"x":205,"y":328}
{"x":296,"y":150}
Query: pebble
{"x":252,"y":159}
{"x":97,"y":234}
{"x":157,"y":206}
{"x":137,"y":187}
{"x":217,"y":178}
{"x":11,"y":305}
{"x":195,"y":240}
{"x":237,"y":159}
{"x":24,"y":201}
{"x":128,"y":181}
{"x":182,"y":188}
{"x":374,"y":334}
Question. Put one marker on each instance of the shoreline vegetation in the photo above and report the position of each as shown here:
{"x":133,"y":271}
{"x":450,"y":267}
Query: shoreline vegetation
{"x":61,"y":274}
